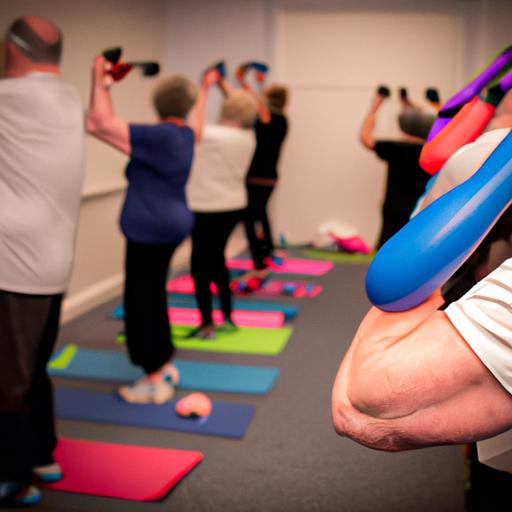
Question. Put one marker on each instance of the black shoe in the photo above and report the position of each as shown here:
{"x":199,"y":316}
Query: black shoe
{"x":204,"y":332}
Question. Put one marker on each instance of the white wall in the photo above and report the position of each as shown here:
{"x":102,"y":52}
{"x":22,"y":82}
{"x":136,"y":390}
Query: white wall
{"x":201,"y":31}
{"x":332,"y":62}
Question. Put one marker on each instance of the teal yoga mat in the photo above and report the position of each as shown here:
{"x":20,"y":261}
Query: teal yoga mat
{"x":107,"y":366}
{"x":289,"y":311}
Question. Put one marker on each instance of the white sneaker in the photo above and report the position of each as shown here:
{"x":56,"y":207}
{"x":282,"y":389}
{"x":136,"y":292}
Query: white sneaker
{"x":30,"y":495}
{"x":48,"y":473}
{"x":148,"y":390}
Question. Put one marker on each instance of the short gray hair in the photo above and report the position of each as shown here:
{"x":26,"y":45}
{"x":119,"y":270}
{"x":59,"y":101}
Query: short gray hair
{"x":416,"y":123}
{"x":174,"y":96}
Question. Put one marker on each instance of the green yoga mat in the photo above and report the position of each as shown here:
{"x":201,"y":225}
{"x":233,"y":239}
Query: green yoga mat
{"x":245,"y":340}
{"x":338,"y":257}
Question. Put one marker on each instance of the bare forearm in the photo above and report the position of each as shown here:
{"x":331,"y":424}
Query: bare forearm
{"x":102,"y":121}
{"x":198,"y":113}
{"x":367,"y":129}
{"x":402,"y":386}
{"x":101,"y":111}
{"x":451,"y":421}
{"x":225,"y":87}
{"x":263,"y":112}
{"x":368,"y":126}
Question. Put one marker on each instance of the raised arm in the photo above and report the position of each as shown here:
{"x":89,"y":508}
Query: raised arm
{"x":368,"y":126}
{"x":225,"y":87}
{"x":102,"y":121}
{"x":263,"y":112}
{"x":410,"y":380}
{"x":210,"y":77}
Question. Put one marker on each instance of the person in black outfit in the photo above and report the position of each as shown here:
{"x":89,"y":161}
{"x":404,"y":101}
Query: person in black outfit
{"x":406,"y":180}
{"x":271,"y":129}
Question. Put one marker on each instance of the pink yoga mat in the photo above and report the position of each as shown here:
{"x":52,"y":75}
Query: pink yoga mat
{"x":121,"y":471}
{"x":187,"y":316}
{"x":289,"y":266}
{"x":272,"y":288}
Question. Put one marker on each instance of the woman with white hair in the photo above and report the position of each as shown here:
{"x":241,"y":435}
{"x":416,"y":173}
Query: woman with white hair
{"x":217,"y":194}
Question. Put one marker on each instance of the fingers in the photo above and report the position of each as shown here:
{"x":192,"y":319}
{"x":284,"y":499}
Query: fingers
{"x":101,"y":72}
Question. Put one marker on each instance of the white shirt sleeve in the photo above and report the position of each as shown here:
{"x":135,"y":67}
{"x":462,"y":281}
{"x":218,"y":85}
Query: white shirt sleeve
{"x":483,"y":317}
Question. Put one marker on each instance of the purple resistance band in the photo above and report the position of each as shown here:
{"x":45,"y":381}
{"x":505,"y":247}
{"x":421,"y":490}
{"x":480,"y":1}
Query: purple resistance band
{"x":506,"y":82}
{"x":469,"y":91}
{"x":474,"y":87}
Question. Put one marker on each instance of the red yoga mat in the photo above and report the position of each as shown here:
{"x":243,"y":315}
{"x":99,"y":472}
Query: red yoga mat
{"x":269,"y":319}
{"x":136,"y":473}
{"x":289,"y":266}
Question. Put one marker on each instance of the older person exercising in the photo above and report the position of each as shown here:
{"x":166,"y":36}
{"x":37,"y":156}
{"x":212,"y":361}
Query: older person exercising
{"x":424,"y":377}
{"x":41,"y":169}
{"x":217,"y":194}
{"x":155,"y":219}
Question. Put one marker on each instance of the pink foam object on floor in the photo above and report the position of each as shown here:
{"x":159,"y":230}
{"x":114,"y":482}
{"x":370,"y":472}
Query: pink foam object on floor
{"x":353,"y":244}
{"x":289,"y":266}
{"x":194,"y":404}
{"x":135,"y":473}
{"x":270,"y":319}
{"x":272,"y":288}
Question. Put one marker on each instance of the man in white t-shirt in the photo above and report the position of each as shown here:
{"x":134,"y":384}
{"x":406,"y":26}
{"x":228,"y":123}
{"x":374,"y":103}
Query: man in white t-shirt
{"x":425,"y":377}
{"x":41,"y":168}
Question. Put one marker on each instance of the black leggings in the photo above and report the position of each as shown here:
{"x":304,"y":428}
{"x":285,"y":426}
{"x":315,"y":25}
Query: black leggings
{"x":208,"y":264}
{"x":29,"y":326}
{"x":146,"y":319}
{"x":390,"y":226}
{"x":256,"y":211}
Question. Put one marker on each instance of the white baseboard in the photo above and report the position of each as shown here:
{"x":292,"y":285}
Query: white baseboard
{"x":93,"y":296}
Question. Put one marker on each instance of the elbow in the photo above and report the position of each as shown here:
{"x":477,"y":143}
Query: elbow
{"x":344,"y":418}
{"x":366,"y":421}
{"x":97,"y":124}
{"x":367,"y":142}
{"x":92,"y":124}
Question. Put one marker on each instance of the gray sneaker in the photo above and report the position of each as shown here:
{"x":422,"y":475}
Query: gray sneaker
{"x":146,"y":391}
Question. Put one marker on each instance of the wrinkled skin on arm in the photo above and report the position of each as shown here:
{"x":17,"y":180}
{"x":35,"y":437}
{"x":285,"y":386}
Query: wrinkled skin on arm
{"x":410,"y":380}
{"x":102,"y":122}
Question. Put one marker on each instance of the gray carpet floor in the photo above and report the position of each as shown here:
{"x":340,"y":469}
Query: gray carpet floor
{"x":291,"y":459}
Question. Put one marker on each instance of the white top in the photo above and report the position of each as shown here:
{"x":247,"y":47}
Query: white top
{"x":41,"y":170}
{"x":462,"y":165}
{"x":483,"y":317}
{"x":221,"y":162}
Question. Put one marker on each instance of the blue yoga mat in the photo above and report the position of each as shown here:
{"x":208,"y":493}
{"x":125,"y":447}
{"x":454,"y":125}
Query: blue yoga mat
{"x":289,"y":311}
{"x":226,"y":419}
{"x":115,"y":367}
